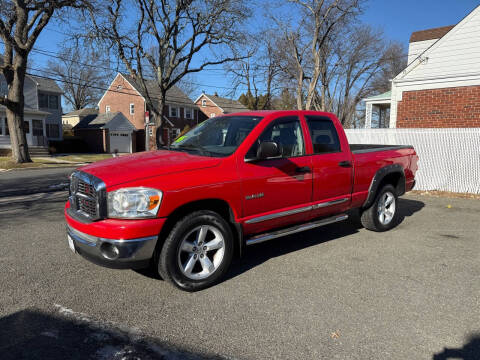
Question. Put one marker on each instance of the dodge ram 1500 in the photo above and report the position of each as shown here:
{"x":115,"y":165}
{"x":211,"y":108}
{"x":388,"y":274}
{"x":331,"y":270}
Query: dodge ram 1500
{"x":230,"y":182}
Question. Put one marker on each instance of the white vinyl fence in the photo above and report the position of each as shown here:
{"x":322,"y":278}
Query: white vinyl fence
{"x":449,"y":159}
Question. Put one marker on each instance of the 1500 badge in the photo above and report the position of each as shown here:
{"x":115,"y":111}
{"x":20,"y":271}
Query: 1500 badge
{"x":254,"y":196}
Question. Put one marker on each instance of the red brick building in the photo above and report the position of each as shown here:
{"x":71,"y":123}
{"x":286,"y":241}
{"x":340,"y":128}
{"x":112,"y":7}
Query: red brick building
{"x":125,"y":95}
{"x":440,"y":87}
{"x":214,"y":105}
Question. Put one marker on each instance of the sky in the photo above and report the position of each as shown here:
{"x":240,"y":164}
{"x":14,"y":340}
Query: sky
{"x":398,"y":19}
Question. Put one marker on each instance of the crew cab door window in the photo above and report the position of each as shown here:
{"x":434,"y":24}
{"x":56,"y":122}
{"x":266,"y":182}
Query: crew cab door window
{"x":287,"y":133}
{"x":324,"y":135}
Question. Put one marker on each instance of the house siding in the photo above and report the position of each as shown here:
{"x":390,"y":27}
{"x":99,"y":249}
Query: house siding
{"x":30,"y":93}
{"x":454,"y":54}
{"x":448,"y":71}
{"x":210,"y":107}
{"x":119,"y":98}
{"x":440,"y":108}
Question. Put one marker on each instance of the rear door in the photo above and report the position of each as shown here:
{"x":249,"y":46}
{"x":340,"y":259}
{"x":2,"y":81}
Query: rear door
{"x":277,"y":192}
{"x":332,"y":167}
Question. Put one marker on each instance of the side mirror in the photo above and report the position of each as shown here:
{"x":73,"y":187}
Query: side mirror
{"x":268,"y":149}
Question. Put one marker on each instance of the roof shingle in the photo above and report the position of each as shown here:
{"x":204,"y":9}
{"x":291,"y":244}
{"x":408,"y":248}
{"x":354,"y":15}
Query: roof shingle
{"x":430,"y":34}
{"x":46,"y":84}
{"x":228,"y":105}
{"x":174,"y":95}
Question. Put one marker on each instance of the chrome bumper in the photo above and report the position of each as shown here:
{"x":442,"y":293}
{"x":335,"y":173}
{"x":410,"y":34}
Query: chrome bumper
{"x":119,"y":254}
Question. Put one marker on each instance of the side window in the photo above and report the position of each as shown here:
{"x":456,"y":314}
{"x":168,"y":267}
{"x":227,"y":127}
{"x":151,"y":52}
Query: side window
{"x":324,"y":135}
{"x":287,"y":133}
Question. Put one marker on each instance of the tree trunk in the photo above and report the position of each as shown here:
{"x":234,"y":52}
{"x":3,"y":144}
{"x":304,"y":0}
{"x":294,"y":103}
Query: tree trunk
{"x":15,"y":114}
{"x":299,"y":90}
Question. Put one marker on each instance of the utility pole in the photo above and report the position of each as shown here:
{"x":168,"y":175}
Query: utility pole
{"x":147,"y":136}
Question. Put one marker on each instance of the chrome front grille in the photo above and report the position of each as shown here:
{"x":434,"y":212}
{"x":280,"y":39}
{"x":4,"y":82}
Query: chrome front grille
{"x":87,"y":196}
{"x":86,"y":189}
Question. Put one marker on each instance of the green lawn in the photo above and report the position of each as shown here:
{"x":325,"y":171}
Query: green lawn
{"x":83,"y":158}
{"x":57,"y":160}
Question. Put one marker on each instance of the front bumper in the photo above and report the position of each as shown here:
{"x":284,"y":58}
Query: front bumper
{"x":112,"y":253}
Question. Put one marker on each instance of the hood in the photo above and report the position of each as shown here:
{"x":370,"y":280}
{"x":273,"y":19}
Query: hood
{"x":149,"y":164}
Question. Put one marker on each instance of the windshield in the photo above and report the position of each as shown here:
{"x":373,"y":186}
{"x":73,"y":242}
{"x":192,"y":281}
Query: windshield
{"x":216,"y":137}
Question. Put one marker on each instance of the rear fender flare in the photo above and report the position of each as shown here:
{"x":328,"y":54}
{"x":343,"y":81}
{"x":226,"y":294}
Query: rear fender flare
{"x":378,"y":178}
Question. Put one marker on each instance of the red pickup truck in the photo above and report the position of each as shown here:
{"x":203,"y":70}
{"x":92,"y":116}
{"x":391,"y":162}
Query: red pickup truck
{"x":232,"y":181}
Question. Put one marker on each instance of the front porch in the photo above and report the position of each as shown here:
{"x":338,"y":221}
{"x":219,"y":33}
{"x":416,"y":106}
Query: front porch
{"x":34,"y":126}
{"x":377,"y":111}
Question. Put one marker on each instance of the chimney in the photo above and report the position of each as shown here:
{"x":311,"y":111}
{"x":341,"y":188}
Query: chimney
{"x":215,"y":94}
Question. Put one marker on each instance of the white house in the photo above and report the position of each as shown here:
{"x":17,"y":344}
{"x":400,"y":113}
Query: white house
{"x":440,"y":87}
{"x":43,"y":112}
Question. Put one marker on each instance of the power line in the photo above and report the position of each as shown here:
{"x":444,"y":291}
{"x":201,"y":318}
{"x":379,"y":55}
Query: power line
{"x":182,"y":102}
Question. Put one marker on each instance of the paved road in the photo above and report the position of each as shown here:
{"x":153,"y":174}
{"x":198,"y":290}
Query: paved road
{"x":21,"y":182}
{"x":340,"y":292}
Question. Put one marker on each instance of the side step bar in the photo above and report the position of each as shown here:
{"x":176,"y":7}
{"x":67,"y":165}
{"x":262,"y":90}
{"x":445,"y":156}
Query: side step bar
{"x":295,"y":229}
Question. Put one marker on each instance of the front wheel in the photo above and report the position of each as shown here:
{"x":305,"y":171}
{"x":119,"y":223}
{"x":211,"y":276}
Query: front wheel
{"x":382,"y":214}
{"x":197,"y":252}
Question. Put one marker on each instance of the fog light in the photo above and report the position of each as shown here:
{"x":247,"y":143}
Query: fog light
{"x":109,"y":251}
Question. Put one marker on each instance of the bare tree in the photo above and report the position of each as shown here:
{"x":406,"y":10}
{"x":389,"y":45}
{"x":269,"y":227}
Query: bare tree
{"x":21,"y":22}
{"x":172,"y":37}
{"x":395,"y":60}
{"x":258,"y":73}
{"x":78,"y":67}
{"x":306,"y":44}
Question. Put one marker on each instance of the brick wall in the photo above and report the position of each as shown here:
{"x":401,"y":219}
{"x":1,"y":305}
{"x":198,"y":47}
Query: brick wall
{"x":440,"y":108}
{"x":120,"y":98}
{"x":209,"y":108}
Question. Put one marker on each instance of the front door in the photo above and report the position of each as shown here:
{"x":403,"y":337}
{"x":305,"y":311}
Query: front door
{"x":276,"y":192}
{"x":37,"y":133}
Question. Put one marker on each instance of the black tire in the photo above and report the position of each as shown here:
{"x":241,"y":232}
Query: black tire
{"x":170,"y":258}
{"x":371,"y":218}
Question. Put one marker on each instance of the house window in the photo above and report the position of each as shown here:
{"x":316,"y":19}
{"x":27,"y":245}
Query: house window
{"x":132,"y":109}
{"x":52,"y":131}
{"x":173,"y":111}
{"x":46,"y":101}
{"x":26,"y":127}
{"x":188,"y":113}
{"x":43,"y":100}
{"x":107,"y":108}
{"x":53,"y":101}
{"x":212,"y":115}
{"x":204,"y":103}
{"x":37,"y":127}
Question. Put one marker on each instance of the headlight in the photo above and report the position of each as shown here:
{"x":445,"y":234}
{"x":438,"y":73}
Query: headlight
{"x":134,"y":203}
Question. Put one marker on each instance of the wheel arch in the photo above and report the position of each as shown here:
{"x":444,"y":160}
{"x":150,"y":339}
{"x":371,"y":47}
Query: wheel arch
{"x":219,"y":206}
{"x":391,"y":174}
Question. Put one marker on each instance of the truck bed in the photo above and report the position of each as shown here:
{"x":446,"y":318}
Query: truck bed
{"x":367,"y":148}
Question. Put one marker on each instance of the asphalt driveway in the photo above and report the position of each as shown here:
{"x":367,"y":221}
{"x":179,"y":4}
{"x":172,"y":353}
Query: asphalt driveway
{"x":339,"y":292}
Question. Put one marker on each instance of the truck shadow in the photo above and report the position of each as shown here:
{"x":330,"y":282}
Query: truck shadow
{"x":258,"y":254}
{"x":35,"y":334}
{"x":469,"y":351}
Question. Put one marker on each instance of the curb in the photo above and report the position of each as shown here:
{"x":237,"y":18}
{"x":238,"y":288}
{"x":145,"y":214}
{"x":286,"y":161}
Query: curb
{"x":46,"y":167}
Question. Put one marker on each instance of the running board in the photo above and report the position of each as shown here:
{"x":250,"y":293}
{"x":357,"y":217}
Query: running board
{"x":295,"y":229}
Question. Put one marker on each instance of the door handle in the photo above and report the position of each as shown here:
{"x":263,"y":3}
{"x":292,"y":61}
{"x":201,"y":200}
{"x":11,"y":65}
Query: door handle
{"x":302,"y":170}
{"x":345,"y":164}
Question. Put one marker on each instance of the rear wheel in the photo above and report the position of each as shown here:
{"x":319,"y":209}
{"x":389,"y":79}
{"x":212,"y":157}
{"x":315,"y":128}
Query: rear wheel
{"x":197,"y":252}
{"x":382,"y":214}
